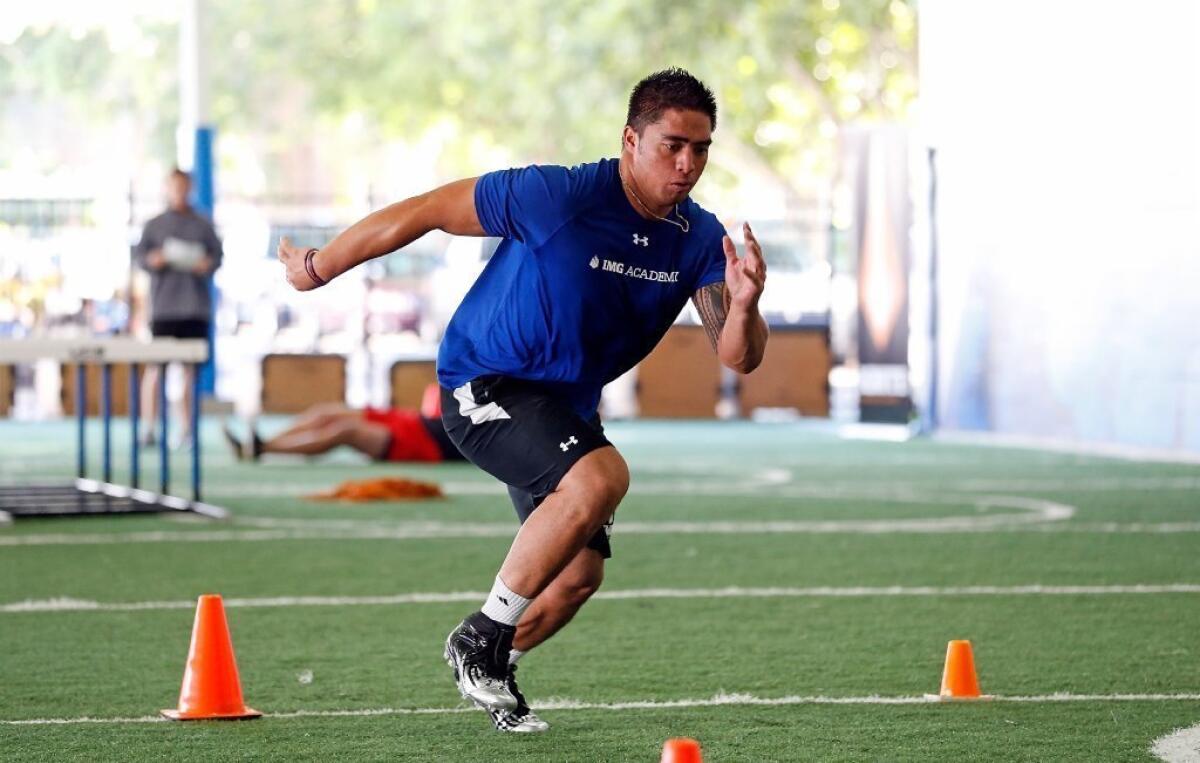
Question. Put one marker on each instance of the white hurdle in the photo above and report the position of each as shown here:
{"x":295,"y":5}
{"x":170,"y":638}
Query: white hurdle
{"x":104,"y":496}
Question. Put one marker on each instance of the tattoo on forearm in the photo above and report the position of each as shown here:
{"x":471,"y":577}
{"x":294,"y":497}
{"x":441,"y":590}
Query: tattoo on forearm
{"x":712,"y":302}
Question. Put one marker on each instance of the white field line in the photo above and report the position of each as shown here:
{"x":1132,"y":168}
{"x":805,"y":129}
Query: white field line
{"x":1101,"y":528}
{"x":645,"y":528}
{"x":768,"y":480}
{"x":716,"y":527}
{"x":65,"y":604}
{"x":778,"y":484}
{"x":719,"y":700}
{"x":1031,"y":510}
{"x":740,"y":489}
{"x":1181,"y":746}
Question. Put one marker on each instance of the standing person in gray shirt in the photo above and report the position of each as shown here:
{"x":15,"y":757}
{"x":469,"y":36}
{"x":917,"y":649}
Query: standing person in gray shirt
{"x":180,"y":250}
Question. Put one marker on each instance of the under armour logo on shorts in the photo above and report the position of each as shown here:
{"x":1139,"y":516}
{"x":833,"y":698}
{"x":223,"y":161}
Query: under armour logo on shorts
{"x":570,"y":441}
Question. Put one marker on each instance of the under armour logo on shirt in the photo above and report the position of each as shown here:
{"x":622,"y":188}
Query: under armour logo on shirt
{"x":641,"y":240}
{"x":570,"y":441}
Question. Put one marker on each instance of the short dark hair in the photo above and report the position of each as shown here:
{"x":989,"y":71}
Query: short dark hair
{"x":672,"y":88}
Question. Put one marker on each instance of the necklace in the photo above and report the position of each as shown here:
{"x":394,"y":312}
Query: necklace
{"x":682,"y":223}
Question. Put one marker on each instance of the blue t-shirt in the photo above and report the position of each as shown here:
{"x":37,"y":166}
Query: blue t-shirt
{"x":582,"y":287}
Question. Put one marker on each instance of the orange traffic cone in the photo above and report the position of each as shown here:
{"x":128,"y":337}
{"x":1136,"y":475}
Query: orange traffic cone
{"x":681,"y":750}
{"x":211,"y":689}
{"x":958,"y":678}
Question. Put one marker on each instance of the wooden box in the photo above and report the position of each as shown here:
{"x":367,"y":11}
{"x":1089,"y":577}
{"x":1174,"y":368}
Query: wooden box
{"x":293,"y":383}
{"x":794,"y":373}
{"x":93,"y":376}
{"x":7,"y":387}
{"x":409,"y":378}
{"x":681,"y":378}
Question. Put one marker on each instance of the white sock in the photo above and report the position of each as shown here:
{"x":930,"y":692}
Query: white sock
{"x":514,"y":655}
{"x":503,"y":605}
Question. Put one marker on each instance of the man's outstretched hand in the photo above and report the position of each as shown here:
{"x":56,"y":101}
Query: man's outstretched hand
{"x":292,"y":257}
{"x":745,"y":277}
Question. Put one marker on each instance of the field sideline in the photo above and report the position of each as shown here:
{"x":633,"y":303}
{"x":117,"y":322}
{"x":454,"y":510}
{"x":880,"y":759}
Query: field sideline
{"x":776,"y":592}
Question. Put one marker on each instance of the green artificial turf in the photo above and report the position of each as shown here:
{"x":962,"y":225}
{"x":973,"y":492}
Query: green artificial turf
{"x":1130,"y":523}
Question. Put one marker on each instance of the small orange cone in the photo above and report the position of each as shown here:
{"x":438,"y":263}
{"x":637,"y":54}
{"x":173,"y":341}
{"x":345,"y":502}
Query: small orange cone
{"x":681,"y":750}
{"x":958,"y":677}
{"x":211,"y":689}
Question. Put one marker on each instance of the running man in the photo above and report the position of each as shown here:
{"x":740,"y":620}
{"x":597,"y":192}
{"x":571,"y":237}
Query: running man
{"x":383,"y":434}
{"x":597,"y":262}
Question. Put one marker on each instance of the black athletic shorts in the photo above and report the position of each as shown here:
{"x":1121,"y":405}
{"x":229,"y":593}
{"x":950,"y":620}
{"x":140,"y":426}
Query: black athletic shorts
{"x":444,"y":443}
{"x":180,"y":328}
{"x":522,"y":436}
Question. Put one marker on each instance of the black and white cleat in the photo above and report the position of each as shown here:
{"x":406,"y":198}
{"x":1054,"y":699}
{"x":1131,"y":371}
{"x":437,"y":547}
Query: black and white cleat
{"x":521,"y":720}
{"x":477,"y":651}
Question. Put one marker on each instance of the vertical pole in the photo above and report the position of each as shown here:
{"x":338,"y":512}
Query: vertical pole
{"x":164,"y":466}
{"x":80,"y":419}
{"x":195,"y":414}
{"x":194,"y":142}
{"x":106,"y":419}
{"x":204,"y":201}
{"x":135,"y":404}
{"x":931,"y":418}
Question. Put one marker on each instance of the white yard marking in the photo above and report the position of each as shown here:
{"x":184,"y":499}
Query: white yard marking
{"x":1181,"y":746}
{"x":767,"y":479}
{"x":460,"y":531}
{"x":1029,"y":511}
{"x":988,"y":511}
{"x":66,"y":604}
{"x":718,"y":700}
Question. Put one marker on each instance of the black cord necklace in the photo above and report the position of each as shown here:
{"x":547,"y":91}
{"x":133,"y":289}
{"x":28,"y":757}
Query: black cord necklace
{"x":682,"y":223}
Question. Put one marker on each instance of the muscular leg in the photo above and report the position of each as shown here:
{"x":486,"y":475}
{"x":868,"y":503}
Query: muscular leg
{"x":522,"y":436}
{"x":554,"y":534}
{"x":315,"y":419}
{"x":556,"y":605}
{"x":320,"y":415}
{"x":315,"y":438}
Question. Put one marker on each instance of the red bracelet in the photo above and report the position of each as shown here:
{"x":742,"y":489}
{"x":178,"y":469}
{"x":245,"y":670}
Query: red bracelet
{"x":312,"y":271}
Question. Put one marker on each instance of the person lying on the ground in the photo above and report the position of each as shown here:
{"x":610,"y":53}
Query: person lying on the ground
{"x":384,"y":434}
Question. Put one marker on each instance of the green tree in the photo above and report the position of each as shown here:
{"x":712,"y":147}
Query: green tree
{"x":547,"y":78}
{"x":544,"y":78}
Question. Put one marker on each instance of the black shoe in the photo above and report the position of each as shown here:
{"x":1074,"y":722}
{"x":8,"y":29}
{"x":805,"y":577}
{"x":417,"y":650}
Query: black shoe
{"x":521,"y":720}
{"x":477,"y":650}
{"x":256,"y":445}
